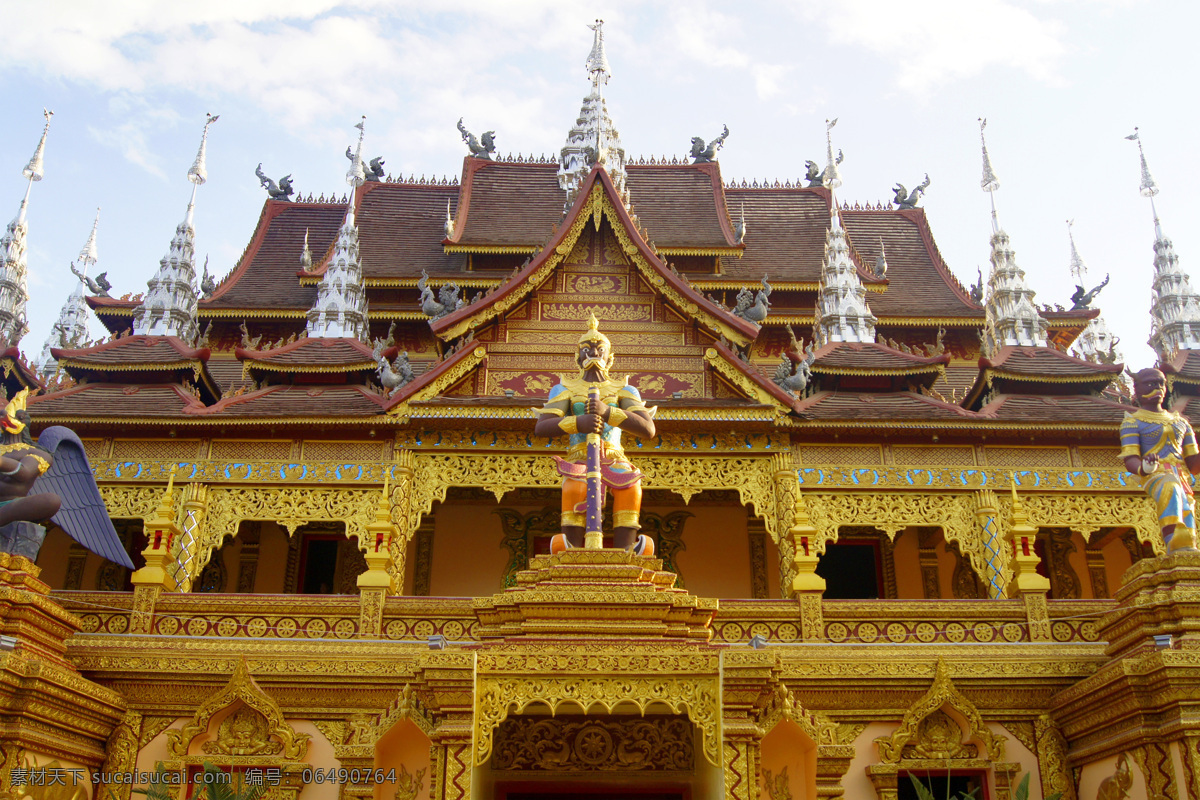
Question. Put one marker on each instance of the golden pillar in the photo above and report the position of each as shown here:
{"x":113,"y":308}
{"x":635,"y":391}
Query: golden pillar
{"x":452,"y":758}
{"x":161,"y":570}
{"x":1027,"y":584}
{"x":375,"y":583}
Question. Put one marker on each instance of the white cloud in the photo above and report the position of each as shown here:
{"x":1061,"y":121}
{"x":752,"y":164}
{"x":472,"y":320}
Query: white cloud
{"x":933,"y":42}
{"x":138,"y":119}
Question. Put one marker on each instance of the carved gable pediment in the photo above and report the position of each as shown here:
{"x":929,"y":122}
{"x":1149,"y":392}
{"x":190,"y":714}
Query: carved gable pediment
{"x":254,"y":727}
{"x":929,"y":732}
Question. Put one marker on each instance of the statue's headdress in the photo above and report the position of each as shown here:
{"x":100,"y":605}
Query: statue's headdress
{"x":17,"y":404}
{"x":593,"y":334}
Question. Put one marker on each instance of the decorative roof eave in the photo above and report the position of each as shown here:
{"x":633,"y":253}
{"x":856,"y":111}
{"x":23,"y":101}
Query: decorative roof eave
{"x":185,"y":351}
{"x":966,"y":424}
{"x":776,"y":286}
{"x":598,"y":198}
{"x":756,"y":386}
{"x":219,"y":420}
{"x":306,"y":279}
{"x":919,"y":369}
{"x":462,"y":210}
{"x":704,"y":251}
{"x":437,"y":380}
{"x":193,"y":366}
{"x":490,"y":249}
{"x":12,"y":364}
{"x":425,"y":410}
{"x":1106,"y":374}
{"x":267,"y":366}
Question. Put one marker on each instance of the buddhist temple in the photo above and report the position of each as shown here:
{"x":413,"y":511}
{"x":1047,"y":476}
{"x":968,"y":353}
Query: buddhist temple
{"x":893,"y":534}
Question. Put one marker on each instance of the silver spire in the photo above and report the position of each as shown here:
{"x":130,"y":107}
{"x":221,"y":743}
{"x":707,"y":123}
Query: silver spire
{"x":1010,"y":316}
{"x":1174,"y":305}
{"x":70,"y":330}
{"x":594,"y":138}
{"x":169,"y":307}
{"x":1078,"y":268}
{"x":830,"y":177}
{"x":198,"y":173}
{"x":88,"y":255}
{"x":35,"y":168}
{"x":14,"y":270}
{"x":340,"y":309}
{"x":990,"y":182}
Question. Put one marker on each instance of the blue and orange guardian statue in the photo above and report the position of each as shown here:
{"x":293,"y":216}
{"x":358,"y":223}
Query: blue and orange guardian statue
{"x":595,"y":403}
{"x":1159,"y":447}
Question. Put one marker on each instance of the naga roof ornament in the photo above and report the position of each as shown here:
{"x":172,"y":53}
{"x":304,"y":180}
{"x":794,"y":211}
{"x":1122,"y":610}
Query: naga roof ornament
{"x":70,"y":330}
{"x":1097,"y":342}
{"x":1174,"y":305}
{"x":594,"y":138}
{"x":169,"y":308}
{"x":842,"y":313}
{"x":1011,"y":318}
{"x":340,"y":310}
{"x":14,"y":271}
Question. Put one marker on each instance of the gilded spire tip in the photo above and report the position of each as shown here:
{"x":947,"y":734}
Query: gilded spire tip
{"x":35,"y":169}
{"x":198,"y":174}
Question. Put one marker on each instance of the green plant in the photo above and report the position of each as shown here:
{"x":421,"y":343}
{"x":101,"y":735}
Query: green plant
{"x":1022,"y":792}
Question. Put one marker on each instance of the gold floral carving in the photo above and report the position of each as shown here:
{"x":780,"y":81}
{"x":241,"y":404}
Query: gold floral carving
{"x":578,"y":743}
{"x":121,"y":753}
{"x":777,"y":787}
{"x":405,"y":706}
{"x":245,"y":732}
{"x":739,"y":379}
{"x":942,"y":693}
{"x":1052,"y":759}
{"x":267,"y":720}
{"x":741,"y":778}
{"x":498,"y":696}
{"x":441,"y":383}
{"x":408,"y":784}
{"x":290,"y":507}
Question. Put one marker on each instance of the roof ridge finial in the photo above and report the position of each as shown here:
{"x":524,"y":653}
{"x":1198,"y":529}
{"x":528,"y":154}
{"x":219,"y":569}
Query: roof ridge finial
{"x":1078,"y":268}
{"x":832,"y":178}
{"x":990,"y":183}
{"x":198,"y":174}
{"x":597,"y":60}
{"x":89,"y":254}
{"x":306,"y":255}
{"x":448,"y":226}
{"x":357,"y":175}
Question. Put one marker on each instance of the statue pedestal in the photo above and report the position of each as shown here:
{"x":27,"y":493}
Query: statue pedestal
{"x":1148,"y":689}
{"x":600,"y":594}
{"x":48,"y":707}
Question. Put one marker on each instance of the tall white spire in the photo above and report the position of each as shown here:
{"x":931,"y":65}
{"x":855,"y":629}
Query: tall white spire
{"x":842,"y":313}
{"x":1097,"y":343}
{"x":340,"y":310}
{"x":594,"y":138}
{"x":1174,"y":305}
{"x":14,"y":271}
{"x":70,"y":330}
{"x":169,"y":308}
{"x":1011,"y":318}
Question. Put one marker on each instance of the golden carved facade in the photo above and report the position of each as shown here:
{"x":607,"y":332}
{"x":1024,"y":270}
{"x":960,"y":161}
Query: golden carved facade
{"x":360,"y":606}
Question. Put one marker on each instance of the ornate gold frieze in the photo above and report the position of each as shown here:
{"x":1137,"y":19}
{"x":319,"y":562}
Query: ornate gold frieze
{"x":590,"y":744}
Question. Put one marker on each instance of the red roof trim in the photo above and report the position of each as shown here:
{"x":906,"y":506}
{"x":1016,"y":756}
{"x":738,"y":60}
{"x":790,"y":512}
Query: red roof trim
{"x":598,"y":174}
{"x":246,"y":354}
{"x":462,"y":210}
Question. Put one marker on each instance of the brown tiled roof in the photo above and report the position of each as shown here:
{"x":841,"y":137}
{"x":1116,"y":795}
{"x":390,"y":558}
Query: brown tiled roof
{"x":919,"y":282}
{"x":130,"y":351}
{"x":891,"y":406}
{"x":1081,"y":409}
{"x":18,"y":374}
{"x":519,"y":282}
{"x":681,"y":206}
{"x":506,"y":204}
{"x":785,"y":236}
{"x":298,"y":401}
{"x":1189,"y":406}
{"x":113,"y":400}
{"x":837,"y":357}
{"x":265,"y":277}
{"x":400,"y":230}
{"x":1185,"y":366}
{"x":1045,"y":362}
{"x":314,"y":354}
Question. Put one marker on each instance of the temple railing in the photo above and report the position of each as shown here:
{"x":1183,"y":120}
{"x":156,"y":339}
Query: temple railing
{"x":336,"y":617}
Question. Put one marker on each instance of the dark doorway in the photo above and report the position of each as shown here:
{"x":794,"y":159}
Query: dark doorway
{"x":941,"y":785}
{"x":318,"y":564}
{"x":852,"y":570}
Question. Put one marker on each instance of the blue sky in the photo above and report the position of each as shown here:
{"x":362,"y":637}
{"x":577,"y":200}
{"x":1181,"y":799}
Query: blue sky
{"x":1061,"y":82}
